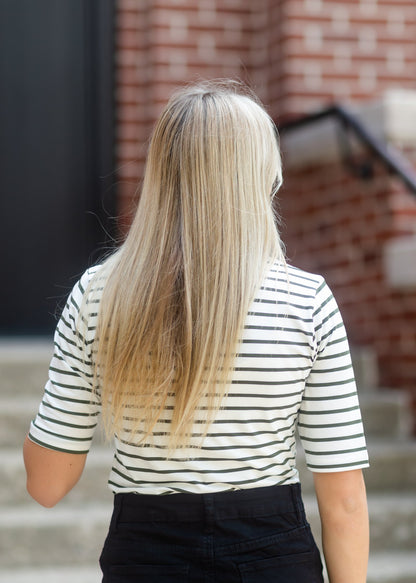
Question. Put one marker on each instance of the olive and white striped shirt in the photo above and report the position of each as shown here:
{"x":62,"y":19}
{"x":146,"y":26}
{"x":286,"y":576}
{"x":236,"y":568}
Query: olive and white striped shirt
{"x":293,"y":371}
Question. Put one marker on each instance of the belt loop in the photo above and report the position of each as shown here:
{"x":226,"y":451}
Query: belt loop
{"x":118,"y":504}
{"x":297,"y":501}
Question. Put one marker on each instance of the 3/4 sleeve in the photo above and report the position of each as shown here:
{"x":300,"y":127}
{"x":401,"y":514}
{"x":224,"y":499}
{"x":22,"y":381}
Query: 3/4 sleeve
{"x":329,"y":422}
{"x":69,"y":409}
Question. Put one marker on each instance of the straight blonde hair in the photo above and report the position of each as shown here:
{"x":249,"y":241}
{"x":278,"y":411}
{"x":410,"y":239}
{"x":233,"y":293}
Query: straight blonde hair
{"x":177,"y":292}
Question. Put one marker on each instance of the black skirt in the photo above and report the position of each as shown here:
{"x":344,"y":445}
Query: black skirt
{"x":258,"y":535}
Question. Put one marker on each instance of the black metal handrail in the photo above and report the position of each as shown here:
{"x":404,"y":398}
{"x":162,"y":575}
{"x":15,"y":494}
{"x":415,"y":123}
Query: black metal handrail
{"x":392,"y":159}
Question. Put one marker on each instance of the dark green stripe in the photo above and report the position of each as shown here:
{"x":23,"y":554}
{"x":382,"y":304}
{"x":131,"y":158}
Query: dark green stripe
{"x":81,"y":401}
{"x":183,"y":470}
{"x":49,"y":406}
{"x":74,"y":387}
{"x":332,"y":370}
{"x":260,"y":355}
{"x":338,"y":355}
{"x":73,"y":372}
{"x":330,"y":425}
{"x":71,"y":355}
{"x":268,"y":383}
{"x":266,"y":370}
{"x":358,"y":464}
{"x":331,"y":412}
{"x":324,"y":439}
{"x":331,"y":397}
{"x":65,"y":437}
{"x":64,"y":424}
{"x":256,"y":481}
{"x":336,"y":452}
{"x":54,"y":448}
{"x":264,"y":396}
{"x":331,"y":384}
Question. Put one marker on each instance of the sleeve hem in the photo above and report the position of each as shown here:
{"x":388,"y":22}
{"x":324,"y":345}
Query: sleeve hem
{"x":54,"y":447}
{"x":337,"y":469}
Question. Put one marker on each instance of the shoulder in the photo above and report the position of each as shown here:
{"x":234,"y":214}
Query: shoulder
{"x":293,"y":279}
{"x":91,"y":275}
{"x":78,"y":316}
{"x":88,"y":286}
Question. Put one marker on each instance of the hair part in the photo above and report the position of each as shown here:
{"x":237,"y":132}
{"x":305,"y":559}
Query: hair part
{"x":177,"y":292}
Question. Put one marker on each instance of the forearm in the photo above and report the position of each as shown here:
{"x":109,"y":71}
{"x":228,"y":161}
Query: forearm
{"x":345,"y":529}
{"x":345,"y":545}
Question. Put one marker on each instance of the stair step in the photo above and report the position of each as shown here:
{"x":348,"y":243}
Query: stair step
{"x":15,"y":417}
{"x":16,"y":413}
{"x":24,"y":366}
{"x":392,"y":466}
{"x":63,"y":574}
{"x":392,"y":567}
{"x":386,"y":413}
{"x":36,"y":536}
{"x":392,"y":520}
{"x":74,"y":533}
{"x":92,"y":485}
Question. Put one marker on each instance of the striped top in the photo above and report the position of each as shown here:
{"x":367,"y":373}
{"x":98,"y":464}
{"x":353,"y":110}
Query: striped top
{"x":293,"y":371}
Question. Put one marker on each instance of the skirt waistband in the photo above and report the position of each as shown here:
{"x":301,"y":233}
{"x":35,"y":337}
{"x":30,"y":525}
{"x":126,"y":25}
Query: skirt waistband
{"x":229,"y":504}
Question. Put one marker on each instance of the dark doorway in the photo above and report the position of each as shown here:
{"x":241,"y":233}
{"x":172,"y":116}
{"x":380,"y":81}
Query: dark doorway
{"x":56,"y":153}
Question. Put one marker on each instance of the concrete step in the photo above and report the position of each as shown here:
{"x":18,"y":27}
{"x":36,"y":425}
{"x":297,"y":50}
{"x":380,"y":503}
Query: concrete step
{"x":24,"y":366}
{"x":92,"y":485}
{"x":32,"y":536}
{"x":16,"y":414}
{"x":392,"y":466}
{"x":54,"y":574}
{"x":386,"y":413}
{"x":391,"y":567}
{"x":392,"y":521}
{"x":74,"y":533}
{"x":393,"y":469}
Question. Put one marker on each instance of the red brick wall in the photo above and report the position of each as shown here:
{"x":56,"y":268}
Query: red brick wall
{"x":347,"y":50}
{"x":297,"y":54}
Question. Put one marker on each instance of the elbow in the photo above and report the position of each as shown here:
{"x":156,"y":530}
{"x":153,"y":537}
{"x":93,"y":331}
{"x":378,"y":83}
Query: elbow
{"x":349,"y":512}
{"x":44,"y":496}
{"x":50,"y":474}
{"x":350,"y":505}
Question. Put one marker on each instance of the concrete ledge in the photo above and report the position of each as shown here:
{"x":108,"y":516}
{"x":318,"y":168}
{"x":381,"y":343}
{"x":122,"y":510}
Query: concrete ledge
{"x":64,"y":574}
{"x":400,"y":262}
{"x":24,"y":348}
{"x":391,"y":119}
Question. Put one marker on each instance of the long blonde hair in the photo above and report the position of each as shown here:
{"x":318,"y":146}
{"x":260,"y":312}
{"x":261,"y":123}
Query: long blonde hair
{"x":177,"y":292}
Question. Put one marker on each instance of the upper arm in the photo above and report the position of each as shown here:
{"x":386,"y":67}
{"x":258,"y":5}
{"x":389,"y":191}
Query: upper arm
{"x":50,"y":474}
{"x":61,"y":433}
{"x":329,"y":422}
